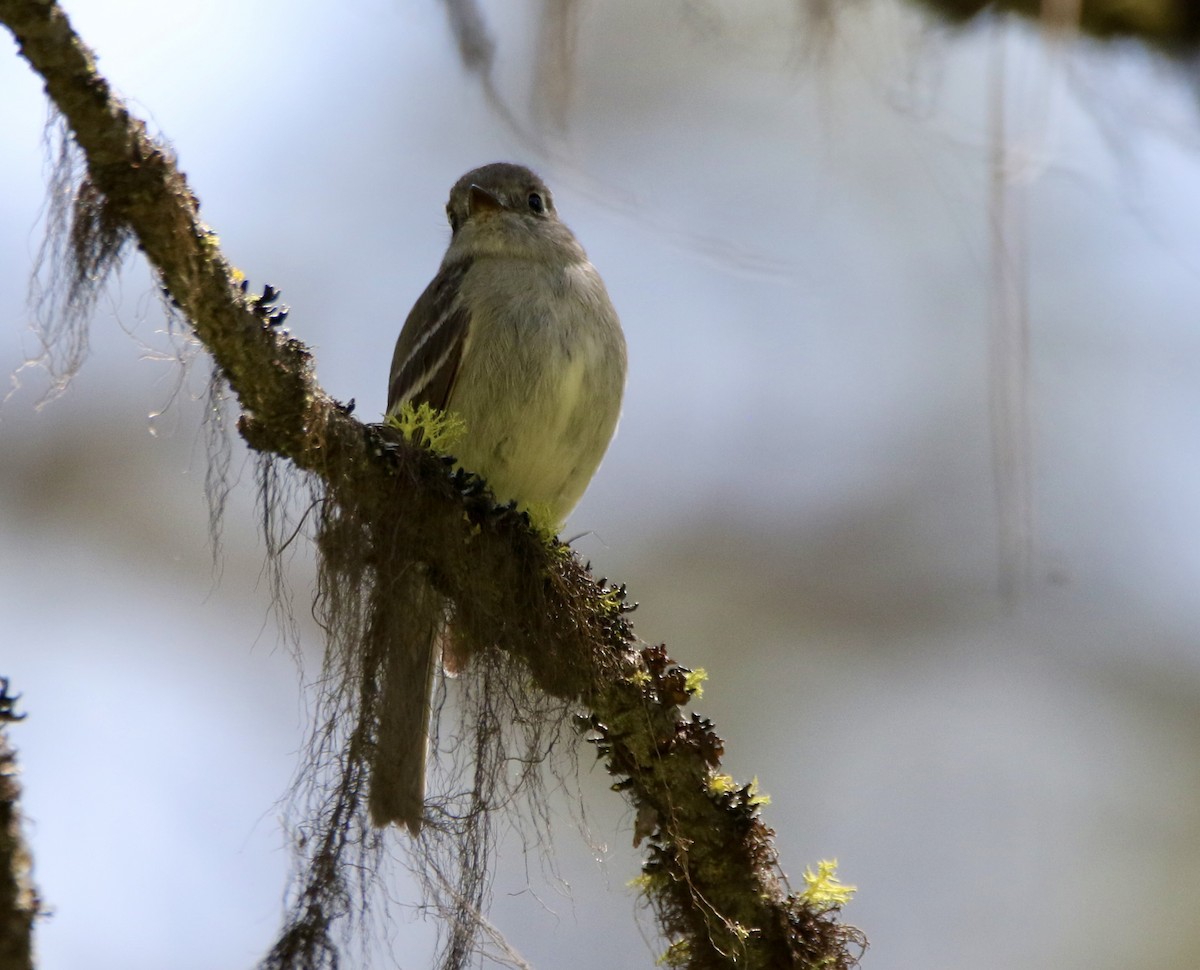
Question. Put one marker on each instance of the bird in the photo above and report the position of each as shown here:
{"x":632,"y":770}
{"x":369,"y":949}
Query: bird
{"x":517,"y":338}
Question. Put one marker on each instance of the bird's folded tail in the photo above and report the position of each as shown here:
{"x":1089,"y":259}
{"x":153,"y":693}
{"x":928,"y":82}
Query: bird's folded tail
{"x":405,"y":685}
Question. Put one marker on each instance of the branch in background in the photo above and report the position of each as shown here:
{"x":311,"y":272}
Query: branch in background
{"x":1173,"y":26}
{"x":712,"y":875}
{"x":19,"y":902}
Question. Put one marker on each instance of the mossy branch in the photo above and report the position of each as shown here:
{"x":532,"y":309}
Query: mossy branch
{"x":18,"y":899}
{"x":712,"y":874}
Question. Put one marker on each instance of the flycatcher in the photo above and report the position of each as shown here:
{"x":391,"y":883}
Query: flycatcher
{"x":516,"y":336}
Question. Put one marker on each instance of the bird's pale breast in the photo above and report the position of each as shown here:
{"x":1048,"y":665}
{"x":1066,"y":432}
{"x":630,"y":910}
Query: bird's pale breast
{"x":549,"y":358}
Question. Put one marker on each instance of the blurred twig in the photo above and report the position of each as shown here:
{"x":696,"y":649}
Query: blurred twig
{"x":554,"y":83}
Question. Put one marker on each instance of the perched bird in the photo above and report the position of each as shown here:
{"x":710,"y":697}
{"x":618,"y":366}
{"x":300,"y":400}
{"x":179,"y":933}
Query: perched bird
{"x":515,"y":336}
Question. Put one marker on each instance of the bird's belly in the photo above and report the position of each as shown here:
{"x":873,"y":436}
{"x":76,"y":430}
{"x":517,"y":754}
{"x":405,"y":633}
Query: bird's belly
{"x":541,"y":446}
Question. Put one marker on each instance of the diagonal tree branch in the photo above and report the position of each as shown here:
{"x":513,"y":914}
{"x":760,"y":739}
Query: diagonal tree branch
{"x":712,"y":874}
{"x":18,"y":899}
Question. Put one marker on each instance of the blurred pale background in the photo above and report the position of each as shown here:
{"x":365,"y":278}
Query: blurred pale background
{"x":797,"y":230}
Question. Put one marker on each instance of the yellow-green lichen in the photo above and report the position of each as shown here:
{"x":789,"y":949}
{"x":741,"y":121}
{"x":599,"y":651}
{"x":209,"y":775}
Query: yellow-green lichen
{"x":721,"y":784}
{"x":544,"y":522}
{"x":438,"y":430}
{"x":754,"y":797}
{"x":822,"y":889}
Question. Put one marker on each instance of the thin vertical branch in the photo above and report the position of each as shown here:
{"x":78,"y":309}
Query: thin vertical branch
{"x":1008,"y":358}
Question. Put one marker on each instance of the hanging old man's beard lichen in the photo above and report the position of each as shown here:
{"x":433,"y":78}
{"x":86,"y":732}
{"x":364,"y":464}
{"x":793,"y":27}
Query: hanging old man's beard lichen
{"x":493,"y":730}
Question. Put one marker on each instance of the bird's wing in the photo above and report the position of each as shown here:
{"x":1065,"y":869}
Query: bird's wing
{"x":430,"y":348}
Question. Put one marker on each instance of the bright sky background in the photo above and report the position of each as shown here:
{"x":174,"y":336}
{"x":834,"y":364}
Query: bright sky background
{"x":795,"y":229}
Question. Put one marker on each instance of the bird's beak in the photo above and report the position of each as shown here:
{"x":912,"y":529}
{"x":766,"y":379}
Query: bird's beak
{"x":481,"y":200}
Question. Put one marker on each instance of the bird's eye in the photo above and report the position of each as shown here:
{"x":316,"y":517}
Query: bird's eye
{"x":535,"y":203}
